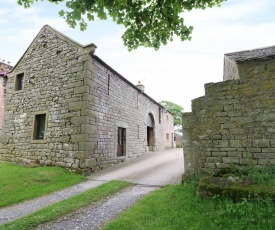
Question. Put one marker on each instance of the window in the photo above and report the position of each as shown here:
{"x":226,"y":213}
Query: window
{"x":108,"y":84}
{"x":167,"y":136}
{"x":39,"y":127}
{"x":159,"y":115}
{"x":19,"y":82}
{"x":121,"y":141}
{"x":167,"y":118}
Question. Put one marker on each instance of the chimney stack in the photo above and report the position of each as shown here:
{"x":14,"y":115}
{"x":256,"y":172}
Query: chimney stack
{"x":140,"y":86}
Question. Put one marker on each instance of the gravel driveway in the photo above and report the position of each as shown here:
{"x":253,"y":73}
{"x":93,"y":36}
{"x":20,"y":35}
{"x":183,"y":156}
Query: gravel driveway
{"x":147,"y":172}
{"x":98,"y":214}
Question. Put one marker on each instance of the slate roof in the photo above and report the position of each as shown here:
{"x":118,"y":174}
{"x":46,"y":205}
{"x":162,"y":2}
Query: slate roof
{"x":97,"y":58}
{"x":2,"y":73}
{"x":4,"y":68}
{"x":258,"y":54}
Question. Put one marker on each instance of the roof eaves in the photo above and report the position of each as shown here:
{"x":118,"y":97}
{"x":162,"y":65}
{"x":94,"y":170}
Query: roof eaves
{"x":127,"y":81}
{"x":264,"y":53}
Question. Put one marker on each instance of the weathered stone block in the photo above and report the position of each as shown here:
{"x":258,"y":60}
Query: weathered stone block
{"x":219,"y":154}
{"x":69,"y":160}
{"x":89,"y":66}
{"x":234,"y":154}
{"x":221,"y":143}
{"x":213,"y":159}
{"x":79,"y":137}
{"x":89,"y":163}
{"x":261,"y":143}
{"x":86,"y":146}
{"x":80,"y":120}
{"x":60,"y":164}
{"x":81,"y":89}
{"x":64,"y":138}
{"x":79,"y":105}
{"x":235,"y":143}
{"x":264,"y":155}
{"x":89,"y":129}
{"x":230,"y":160}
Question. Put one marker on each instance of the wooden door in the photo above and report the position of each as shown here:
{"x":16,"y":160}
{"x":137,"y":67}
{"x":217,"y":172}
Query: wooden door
{"x":121,"y":141}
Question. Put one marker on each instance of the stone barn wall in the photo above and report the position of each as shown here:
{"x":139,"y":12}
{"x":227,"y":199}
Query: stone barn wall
{"x":234,"y":123}
{"x":84,"y":103}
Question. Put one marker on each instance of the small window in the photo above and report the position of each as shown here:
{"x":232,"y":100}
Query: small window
{"x":19,"y":82}
{"x":108,"y":84}
{"x":159,"y":115}
{"x":39,"y":126}
{"x":167,"y":118}
{"x":167,"y":136}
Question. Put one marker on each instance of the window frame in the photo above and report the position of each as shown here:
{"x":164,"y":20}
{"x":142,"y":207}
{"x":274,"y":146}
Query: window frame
{"x":160,"y":114}
{"x":15,"y":85}
{"x":34,"y":138}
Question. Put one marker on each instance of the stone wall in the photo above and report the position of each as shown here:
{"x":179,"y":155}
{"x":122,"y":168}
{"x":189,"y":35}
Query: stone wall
{"x":4,"y":69}
{"x":234,"y":123}
{"x":115,"y":102}
{"x":85,"y":101}
{"x":51,"y":75}
{"x":3,"y":83}
{"x":230,"y":71}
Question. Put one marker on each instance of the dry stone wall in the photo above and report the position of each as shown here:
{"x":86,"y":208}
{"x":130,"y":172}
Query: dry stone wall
{"x":234,"y":123}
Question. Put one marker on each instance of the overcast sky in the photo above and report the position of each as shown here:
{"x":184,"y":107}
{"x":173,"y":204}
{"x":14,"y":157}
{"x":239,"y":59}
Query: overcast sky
{"x":176,"y":72}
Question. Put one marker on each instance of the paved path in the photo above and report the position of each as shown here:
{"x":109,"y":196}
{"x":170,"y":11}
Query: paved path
{"x":150,"y":170}
{"x":154,"y":168}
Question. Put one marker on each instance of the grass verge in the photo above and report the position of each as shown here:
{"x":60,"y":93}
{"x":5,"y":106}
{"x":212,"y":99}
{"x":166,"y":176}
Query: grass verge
{"x":57,"y":210}
{"x":179,"y":207}
{"x":19,"y":183}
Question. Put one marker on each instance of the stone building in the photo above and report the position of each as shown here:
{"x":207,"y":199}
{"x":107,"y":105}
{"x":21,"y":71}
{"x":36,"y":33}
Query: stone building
{"x":67,"y":107}
{"x":234,"y":123}
{"x":4,"y":69}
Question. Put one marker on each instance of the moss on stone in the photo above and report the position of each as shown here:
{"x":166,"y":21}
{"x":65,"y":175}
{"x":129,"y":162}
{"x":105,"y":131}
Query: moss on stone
{"x":225,"y":188}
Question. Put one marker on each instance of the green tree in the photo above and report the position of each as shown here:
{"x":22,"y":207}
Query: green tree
{"x":176,"y":110}
{"x":149,"y":23}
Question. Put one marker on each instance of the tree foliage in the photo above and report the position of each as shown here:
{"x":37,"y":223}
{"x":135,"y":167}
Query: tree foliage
{"x":176,"y":110}
{"x":149,"y":23}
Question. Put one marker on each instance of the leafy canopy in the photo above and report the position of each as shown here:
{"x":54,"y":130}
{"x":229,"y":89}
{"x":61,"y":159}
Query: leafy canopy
{"x":148,"y":23}
{"x":176,"y":110}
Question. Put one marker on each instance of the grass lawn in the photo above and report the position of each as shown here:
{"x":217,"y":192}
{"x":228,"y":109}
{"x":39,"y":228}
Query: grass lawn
{"x":19,"y":183}
{"x":178,"y":207}
{"x":57,"y":210}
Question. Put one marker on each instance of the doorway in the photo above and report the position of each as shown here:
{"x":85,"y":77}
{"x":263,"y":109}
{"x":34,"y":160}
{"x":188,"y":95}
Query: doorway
{"x":121,"y":141}
{"x":172,"y":140}
{"x":150,"y":132}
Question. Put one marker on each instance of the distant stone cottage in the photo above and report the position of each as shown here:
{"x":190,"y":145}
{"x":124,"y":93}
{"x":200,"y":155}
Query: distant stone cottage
{"x":66,"y":107}
{"x":4,"y":69}
{"x":234,"y":123}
